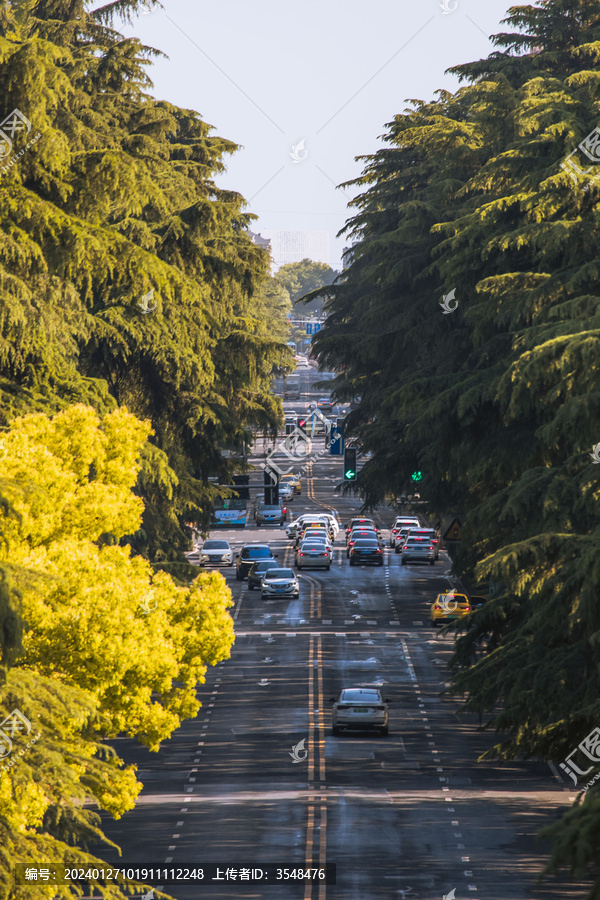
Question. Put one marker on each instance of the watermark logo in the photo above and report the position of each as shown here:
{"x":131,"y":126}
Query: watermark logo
{"x":16,"y":121}
{"x":448,"y":602}
{"x":590,"y":147}
{"x":590,"y":747}
{"x":150,"y":895}
{"x":299,"y":152}
{"x":145,"y":303}
{"x":446,"y":8}
{"x":445,"y":304}
{"x":145,"y":604}
{"x":595,"y":454}
{"x":297,"y":751}
{"x":298,"y":445}
{"x":451,"y":895}
{"x":13,"y":124}
{"x":14,"y":725}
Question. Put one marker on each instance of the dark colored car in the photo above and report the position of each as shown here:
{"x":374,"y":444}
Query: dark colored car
{"x":249,"y":554}
{"x":359,"y":522}
{"x":360,"y":534}
{"x":324,"y":405}
{"x":257,"y":572}
{"x":366,"y":552}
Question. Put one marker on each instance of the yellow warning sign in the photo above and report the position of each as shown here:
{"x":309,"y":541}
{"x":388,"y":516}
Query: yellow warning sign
{"x":453,"y":531}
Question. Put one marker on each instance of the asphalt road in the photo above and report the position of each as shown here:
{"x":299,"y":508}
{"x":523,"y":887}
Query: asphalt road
{"x":412,"y":815}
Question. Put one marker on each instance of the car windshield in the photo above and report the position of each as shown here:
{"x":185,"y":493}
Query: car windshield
{"x":215,"y":545}
{"x":360,"y":696}
{"x":313,"y":546}
{"x":279,"y":573}
{"x":264,"y":508}
{"x":365,"y":542}
{"x":264,"y":566}
{"x":255,"y":552}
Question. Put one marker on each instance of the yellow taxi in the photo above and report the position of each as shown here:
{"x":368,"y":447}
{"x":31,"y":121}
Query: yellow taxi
{"x":294,"y":480}
{"x":448,"y":607}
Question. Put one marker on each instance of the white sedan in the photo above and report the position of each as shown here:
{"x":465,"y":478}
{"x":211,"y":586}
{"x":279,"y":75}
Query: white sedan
{"x":360,"y":708}
{"x":215,"y":553}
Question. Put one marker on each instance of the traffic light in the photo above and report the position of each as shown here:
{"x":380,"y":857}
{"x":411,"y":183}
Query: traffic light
{"x":350,"y":464}
{"x":416,"y":476}
{"x":271,"y":480}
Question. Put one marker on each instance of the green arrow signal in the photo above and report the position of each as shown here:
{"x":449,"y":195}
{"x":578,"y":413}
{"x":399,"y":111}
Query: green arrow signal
{"x":416,"y":476}
{"x":350,"y":474}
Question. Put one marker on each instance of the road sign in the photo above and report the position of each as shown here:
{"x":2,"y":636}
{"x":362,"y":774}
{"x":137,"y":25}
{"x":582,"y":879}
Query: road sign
{"x":452,"y":533}
{"x":313,"y":327}
{"x":336,"y":448}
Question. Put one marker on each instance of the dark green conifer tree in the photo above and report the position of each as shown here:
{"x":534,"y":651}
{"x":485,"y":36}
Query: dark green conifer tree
{"x":497,"y":401}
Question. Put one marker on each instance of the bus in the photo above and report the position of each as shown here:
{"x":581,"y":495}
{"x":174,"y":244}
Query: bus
{"x":232,"y":512}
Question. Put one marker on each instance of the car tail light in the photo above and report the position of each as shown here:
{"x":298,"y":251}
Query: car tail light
{"x":467,"y":608}
{"x":302,"y":554}
{"x":434,"y":541}
{"x":437,"y":607}
{"x":379,"y":551}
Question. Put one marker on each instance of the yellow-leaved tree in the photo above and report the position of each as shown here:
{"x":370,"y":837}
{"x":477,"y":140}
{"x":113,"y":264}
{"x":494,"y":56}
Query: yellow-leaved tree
{"x":108,"y":647}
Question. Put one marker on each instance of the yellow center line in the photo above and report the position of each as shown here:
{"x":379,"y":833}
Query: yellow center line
{"x":323,"y":849}
{"x":311,"y":709}
{"x":310,"y":833}
{"x":320,"y":705}
{"x":310,"y":825}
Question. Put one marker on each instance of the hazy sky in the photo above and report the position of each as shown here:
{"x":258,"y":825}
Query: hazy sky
{"x":268,"y":75}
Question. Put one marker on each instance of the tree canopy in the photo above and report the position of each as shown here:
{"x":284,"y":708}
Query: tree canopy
{"x":303,"y":278}
{"x":109,"y":646}
{"x":127,"y":275}
{"x":494,"y":395}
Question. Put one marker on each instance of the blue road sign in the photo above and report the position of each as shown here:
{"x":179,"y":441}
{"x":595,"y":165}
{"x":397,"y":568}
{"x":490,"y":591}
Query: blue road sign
{"x":313,"y":327}
{"x":336,"y":448}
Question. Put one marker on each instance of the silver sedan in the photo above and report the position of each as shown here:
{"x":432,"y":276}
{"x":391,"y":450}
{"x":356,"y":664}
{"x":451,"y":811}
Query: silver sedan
{"x":310,"y":553}
{"x":279,"y":584}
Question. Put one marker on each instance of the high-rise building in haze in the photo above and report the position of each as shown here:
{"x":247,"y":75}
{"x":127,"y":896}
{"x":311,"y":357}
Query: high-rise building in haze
{"x":294,"y":246}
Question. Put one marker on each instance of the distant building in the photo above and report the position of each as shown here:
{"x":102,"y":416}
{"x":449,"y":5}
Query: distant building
{"x":294,"y":246}
{"x":259,"y":240}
